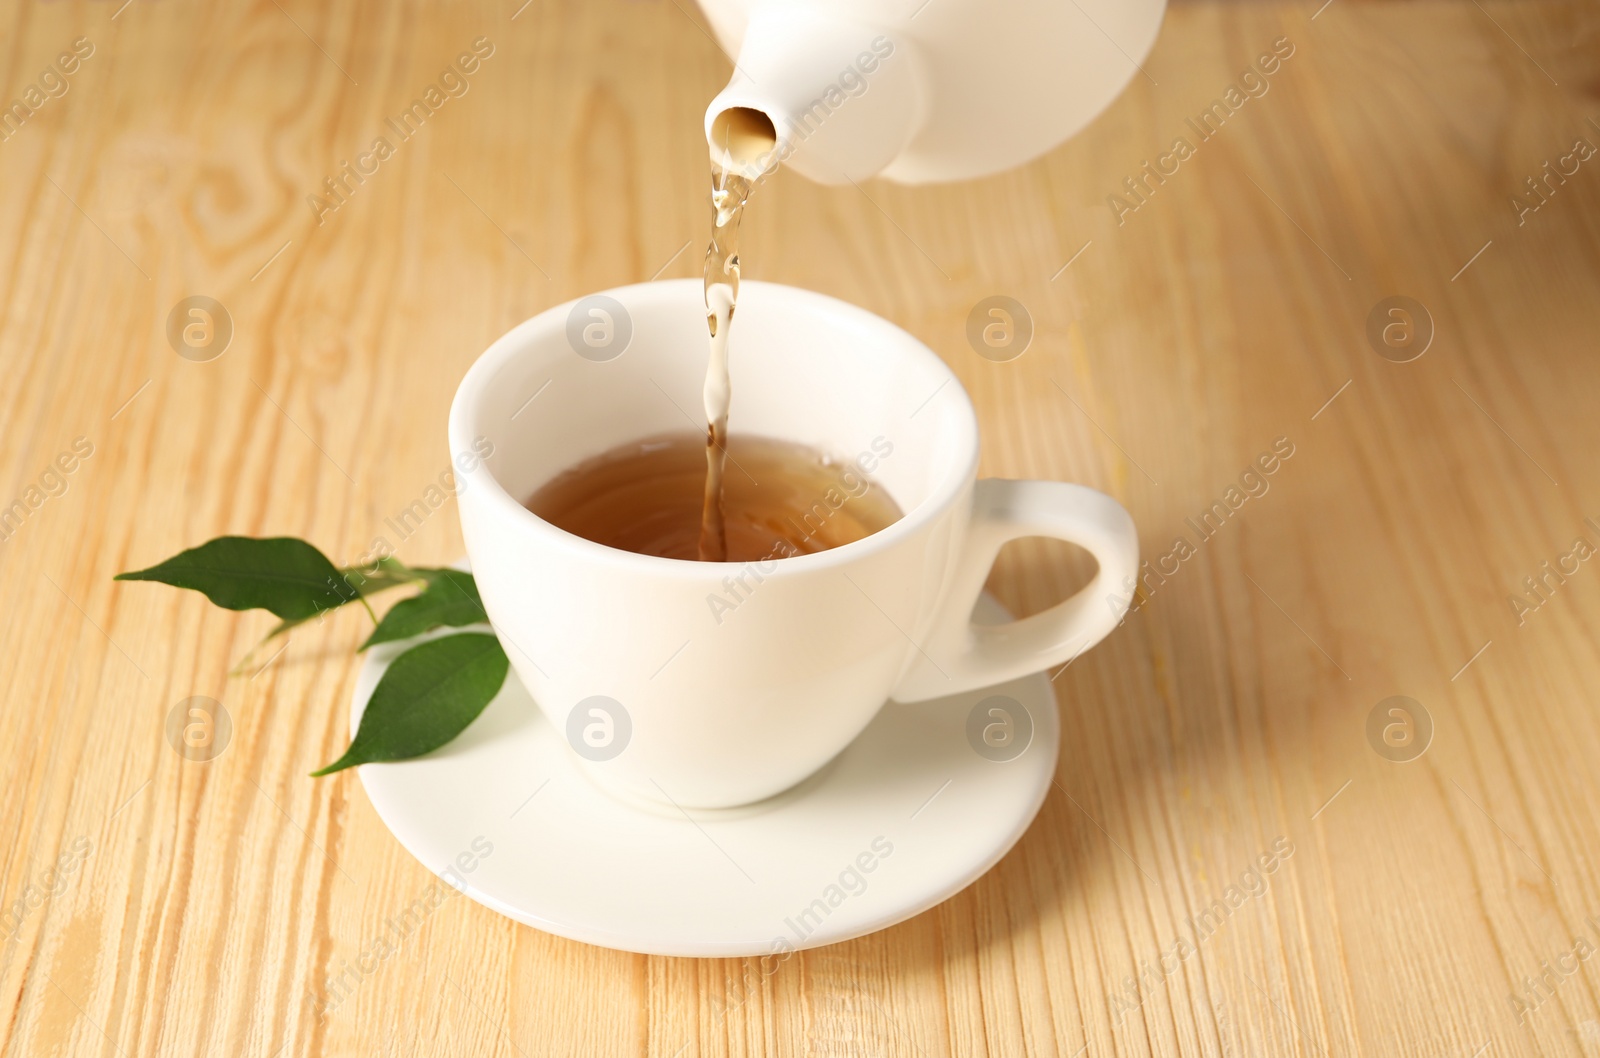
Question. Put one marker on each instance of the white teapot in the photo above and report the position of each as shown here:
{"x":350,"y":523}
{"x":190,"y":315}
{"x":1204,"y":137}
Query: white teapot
{"x":916,"y":91}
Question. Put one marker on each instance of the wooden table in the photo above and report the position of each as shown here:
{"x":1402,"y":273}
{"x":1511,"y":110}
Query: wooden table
{"x":197,"y":906}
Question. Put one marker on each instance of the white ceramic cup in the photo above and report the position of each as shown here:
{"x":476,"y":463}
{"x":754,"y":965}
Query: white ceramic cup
{"x":706,"y":684}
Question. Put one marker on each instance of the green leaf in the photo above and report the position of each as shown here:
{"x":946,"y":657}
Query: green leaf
{"x":427,"y":697}
{"x":382,"y":575}
{"x":450,"y":599}
{"x":386,"y":573}
{"x":283,"y":575}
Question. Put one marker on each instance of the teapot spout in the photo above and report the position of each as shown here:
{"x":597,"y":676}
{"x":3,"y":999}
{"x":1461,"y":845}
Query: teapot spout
{"x":833,"y":99}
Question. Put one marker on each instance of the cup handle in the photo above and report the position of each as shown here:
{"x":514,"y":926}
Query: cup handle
{"x":961,"y":656}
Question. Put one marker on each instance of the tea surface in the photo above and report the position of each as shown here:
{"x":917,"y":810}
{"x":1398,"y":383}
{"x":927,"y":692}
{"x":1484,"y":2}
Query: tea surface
{"x":779,"y":499}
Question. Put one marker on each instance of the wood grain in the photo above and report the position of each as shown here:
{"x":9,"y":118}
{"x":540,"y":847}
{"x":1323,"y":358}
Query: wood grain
{"x":199,"y":908}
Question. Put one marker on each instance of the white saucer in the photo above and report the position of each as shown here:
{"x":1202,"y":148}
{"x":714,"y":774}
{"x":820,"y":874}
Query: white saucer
{"x":789,"y":873}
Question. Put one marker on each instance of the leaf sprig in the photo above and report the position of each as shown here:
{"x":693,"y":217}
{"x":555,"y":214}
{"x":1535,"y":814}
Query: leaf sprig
{"x":429,"y":694}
